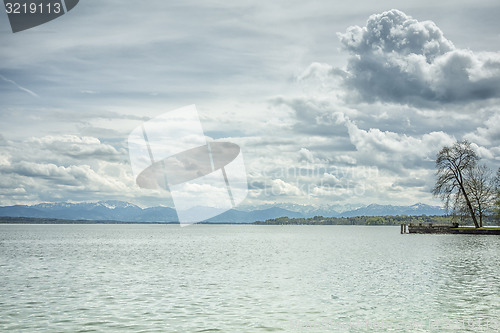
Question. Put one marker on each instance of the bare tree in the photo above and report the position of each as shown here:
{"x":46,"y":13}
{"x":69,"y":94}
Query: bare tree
{"x":480,"y":187}
{"x":452,"y":163}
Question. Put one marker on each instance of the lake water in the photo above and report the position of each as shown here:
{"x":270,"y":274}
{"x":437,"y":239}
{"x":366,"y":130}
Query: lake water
{"x":235,"y":278}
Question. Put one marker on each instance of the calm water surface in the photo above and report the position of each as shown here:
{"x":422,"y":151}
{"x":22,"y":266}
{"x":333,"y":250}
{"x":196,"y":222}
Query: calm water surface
{"x":158,"y":278}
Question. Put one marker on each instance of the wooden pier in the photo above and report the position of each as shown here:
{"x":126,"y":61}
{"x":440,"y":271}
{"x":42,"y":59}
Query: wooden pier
{"x":435,"y":228}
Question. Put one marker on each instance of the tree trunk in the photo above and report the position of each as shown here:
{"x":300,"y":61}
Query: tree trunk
{"x":471,"y":210}
{"x":480,"y":211}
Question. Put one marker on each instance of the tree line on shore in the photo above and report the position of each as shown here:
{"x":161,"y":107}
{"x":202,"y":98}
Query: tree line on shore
{"x":359,"y":220}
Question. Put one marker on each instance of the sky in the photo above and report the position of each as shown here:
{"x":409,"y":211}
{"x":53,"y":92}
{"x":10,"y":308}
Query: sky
{"x":332,"y":105}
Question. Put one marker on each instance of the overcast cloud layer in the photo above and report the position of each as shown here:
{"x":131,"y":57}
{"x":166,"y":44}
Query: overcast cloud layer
{"x":331,"y":106}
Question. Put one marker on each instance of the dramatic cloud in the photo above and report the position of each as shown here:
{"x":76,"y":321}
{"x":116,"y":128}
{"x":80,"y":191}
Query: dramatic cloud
{"x":77,"y":147}
{"x":395,"y":151}
{"x":488,"y":135}
{"x":396,"y":58}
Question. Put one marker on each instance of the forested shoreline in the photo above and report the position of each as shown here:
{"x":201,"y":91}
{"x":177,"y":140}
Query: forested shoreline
{"x":364,"y":220}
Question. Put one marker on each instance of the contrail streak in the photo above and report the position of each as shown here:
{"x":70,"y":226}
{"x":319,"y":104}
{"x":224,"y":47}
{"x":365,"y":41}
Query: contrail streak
{"x":18,"y":86}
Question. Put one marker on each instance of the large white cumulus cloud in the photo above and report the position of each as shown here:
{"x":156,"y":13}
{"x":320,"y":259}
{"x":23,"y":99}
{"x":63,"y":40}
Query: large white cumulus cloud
{"x":396,"y":58}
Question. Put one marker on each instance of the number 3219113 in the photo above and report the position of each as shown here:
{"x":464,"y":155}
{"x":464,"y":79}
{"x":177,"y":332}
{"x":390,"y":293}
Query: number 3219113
{"x":32,"y":8}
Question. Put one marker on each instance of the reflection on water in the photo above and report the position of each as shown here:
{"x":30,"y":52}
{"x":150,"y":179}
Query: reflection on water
{"x":159,"y":278}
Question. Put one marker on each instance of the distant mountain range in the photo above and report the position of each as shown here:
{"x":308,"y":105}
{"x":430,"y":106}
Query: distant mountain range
{"x":127,"y":212}
{"x":390,"y":210}
{"x":102,"y":210}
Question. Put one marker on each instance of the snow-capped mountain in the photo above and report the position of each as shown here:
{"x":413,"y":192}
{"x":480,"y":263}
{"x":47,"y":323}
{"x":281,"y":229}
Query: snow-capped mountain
{"x":390,"y":210}
{"x":101,"y":210}
{"x":127,"y":212}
